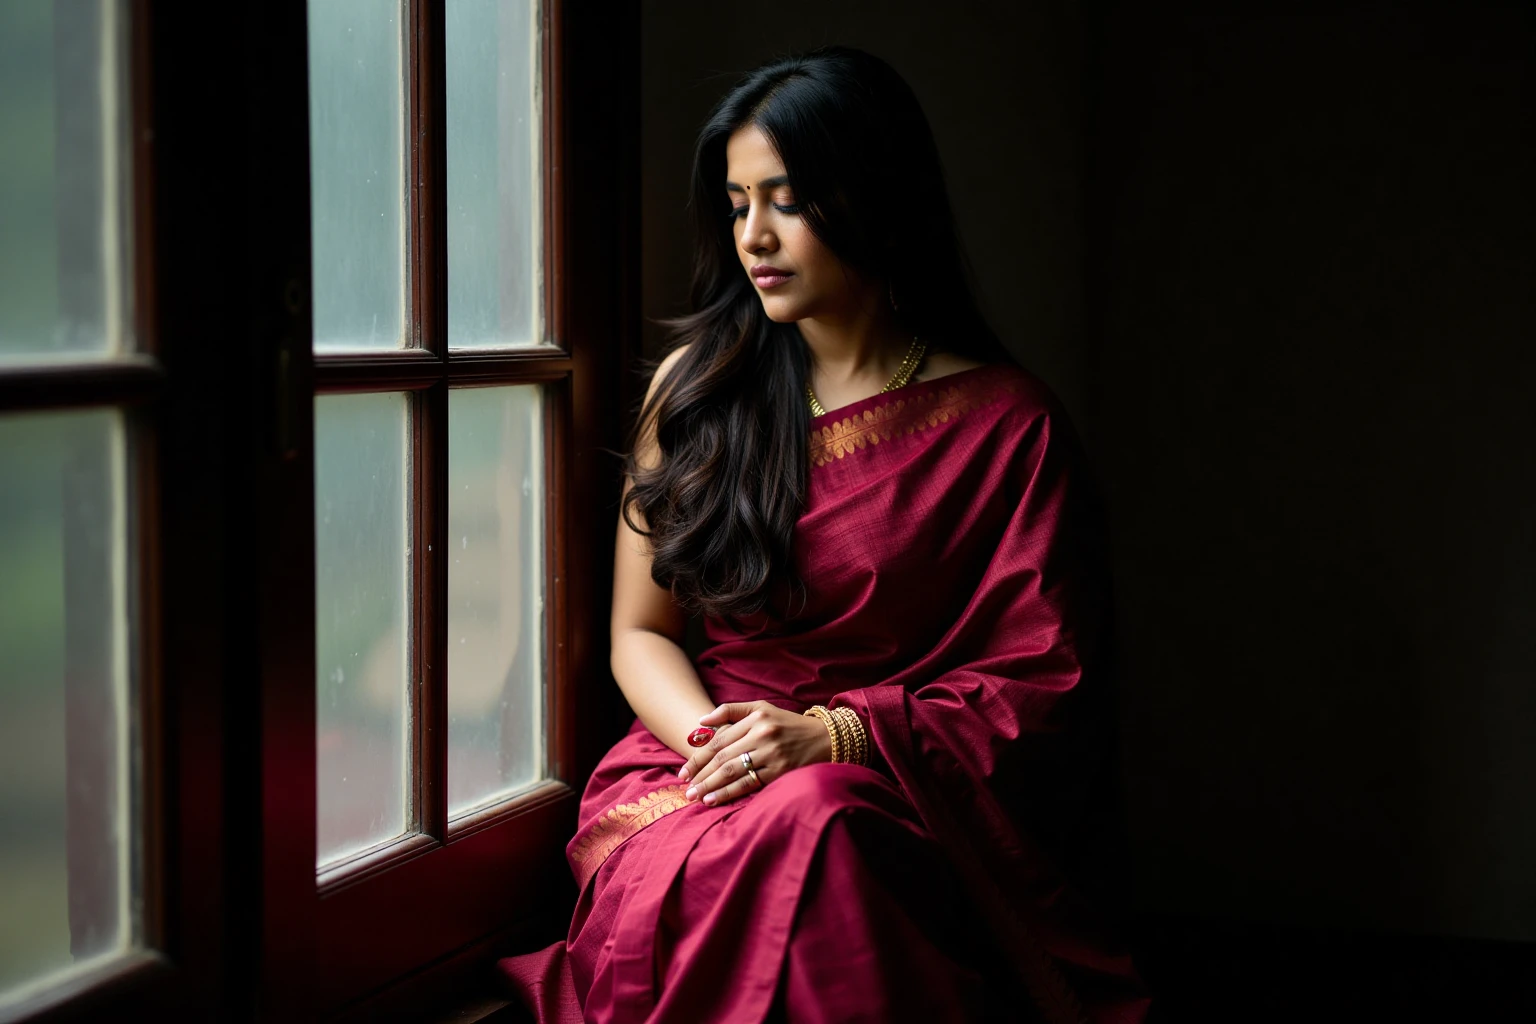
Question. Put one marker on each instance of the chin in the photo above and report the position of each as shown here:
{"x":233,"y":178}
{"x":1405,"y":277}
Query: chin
{"x":781,"y":311}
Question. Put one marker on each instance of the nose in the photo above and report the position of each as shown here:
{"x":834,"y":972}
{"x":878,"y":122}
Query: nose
{"x":756,"y":235}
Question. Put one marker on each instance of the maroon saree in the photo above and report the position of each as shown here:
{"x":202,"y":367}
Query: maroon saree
{"x":954,"y":602}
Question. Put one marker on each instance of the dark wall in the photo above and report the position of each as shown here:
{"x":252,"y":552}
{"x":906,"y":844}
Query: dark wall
{"x":1279,"y":267}
{"x":1312,"y":382}
{"x":1000,"y":86}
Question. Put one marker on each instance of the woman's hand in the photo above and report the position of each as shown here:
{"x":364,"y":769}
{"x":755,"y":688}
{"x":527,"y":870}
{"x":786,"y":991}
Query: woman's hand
{"x":778,"y":740}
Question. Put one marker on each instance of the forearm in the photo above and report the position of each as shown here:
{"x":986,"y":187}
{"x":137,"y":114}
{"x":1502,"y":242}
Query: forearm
{"x":661,"y":685}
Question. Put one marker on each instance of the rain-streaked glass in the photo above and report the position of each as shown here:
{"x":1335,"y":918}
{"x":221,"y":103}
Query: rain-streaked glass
{"x":362,"y":559}
{"x":64,"y":196}
{"x":494,"y":265}
{"x":69,"y":873}
{"x":357,"y":174}
{"x":495,"y":593}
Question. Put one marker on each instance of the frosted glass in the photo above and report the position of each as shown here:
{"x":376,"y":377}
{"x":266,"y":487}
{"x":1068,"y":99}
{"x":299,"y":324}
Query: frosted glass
{"x":67,"y":816}
{"x":362,"y":670}
{"x":63,"y":180}
{"x":494,"y":190}
{"x":495,"y":593}
{"x":357,"y":174}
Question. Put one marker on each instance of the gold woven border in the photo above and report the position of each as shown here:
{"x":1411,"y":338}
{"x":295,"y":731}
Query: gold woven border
{"x":620,"y":822}
{"x":903,"y":416}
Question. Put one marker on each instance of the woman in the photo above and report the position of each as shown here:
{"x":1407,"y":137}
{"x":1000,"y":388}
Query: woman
{"x":892,"y":812}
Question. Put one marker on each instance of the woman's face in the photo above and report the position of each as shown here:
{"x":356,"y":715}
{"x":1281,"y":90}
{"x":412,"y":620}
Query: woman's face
{"x":795,"y":275}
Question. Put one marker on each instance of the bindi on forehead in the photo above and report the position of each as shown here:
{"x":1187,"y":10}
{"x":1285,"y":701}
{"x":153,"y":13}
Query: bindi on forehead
{"x":777,"y":181}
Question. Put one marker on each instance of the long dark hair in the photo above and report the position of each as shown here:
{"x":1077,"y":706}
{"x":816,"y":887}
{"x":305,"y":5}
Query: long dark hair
{"x":730,"y":420}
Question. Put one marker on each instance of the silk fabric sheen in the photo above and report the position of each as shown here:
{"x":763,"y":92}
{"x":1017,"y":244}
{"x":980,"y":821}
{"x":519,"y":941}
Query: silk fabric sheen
{"x":954,"y":600}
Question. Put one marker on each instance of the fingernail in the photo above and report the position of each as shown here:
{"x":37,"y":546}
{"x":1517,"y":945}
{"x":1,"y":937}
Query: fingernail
{"x":692,"y":792}
{"x":682,"y":773}
{"x":709,"y":798}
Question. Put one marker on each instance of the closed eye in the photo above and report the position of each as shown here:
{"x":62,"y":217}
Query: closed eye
{"x":738,"y":212}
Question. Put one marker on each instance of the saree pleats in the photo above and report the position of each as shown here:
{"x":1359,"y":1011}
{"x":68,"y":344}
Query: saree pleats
{"x":883,"y":933}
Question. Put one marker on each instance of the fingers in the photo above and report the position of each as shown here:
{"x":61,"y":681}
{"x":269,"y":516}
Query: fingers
{"x":704,"y":755}
{"x":725,"y":719}
{"x":725,"y":768}
{"x":738,"y":788}
{"x":727,"y":713}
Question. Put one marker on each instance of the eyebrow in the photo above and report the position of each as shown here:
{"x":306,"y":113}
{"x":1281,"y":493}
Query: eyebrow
{"x":774,"y":182}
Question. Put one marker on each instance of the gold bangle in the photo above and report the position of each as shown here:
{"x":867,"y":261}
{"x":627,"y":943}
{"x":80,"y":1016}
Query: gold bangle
{"x":855,"y":738}
{"x":850,"y":741}
{"x":828,"y":720}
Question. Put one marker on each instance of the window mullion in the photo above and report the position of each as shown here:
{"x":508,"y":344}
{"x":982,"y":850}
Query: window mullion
{"x":559,"y":712}
{"x":126,"y":380}
{"x":551,"y":185}
{"x":430,"y":572}
{"x":429,"y":294}
{"x":428,"y":156}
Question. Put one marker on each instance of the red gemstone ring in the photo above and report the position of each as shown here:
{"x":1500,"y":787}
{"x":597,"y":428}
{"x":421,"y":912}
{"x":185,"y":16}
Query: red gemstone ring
{"x":700,"y":736}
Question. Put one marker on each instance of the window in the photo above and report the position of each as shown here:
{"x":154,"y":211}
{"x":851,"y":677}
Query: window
{"x":305,"y":522}
{"x":383,"y":517}
{"x":72,"y":804}
{"x":447,"y":378}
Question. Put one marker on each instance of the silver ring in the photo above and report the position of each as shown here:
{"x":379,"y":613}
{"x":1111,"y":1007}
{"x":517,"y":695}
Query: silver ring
{"x":746,"y":761}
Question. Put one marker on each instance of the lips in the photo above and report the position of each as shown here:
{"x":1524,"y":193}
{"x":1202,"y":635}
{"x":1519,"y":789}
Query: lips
{"x":765,"y":276}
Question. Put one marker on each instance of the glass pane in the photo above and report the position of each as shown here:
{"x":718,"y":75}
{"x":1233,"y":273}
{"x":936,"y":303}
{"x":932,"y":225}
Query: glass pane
{"x":495,"y":593}
{"x":357,"y":173}
{"x":67,"y":820}
{"x":63,"y":180}
{"x":362,"y":559}
{"x":493,"y":174}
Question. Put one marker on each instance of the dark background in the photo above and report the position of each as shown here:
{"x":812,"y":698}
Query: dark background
{"x":1278,"y":265}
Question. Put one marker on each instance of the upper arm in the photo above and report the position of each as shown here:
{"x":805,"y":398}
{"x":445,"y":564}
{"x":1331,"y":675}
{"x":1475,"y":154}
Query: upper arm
{"x":638,"y":602}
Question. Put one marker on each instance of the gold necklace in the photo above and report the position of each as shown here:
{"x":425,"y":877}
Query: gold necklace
{"x":903,"y":374}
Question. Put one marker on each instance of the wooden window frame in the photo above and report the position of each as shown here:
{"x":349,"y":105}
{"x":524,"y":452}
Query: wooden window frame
{"x":498,"y":873}
{"x":450,"y":878}
{"x":134,"y":384}
{"x":218,"y":399}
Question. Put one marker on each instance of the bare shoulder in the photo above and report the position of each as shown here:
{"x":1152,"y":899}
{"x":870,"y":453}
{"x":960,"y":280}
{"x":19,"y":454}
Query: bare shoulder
{"x":940,"y":363}
{"x":664,"y":369}
{"x":645,"y":443}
